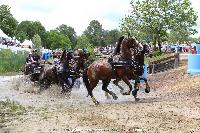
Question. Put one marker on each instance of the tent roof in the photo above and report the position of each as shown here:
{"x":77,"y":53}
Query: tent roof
{"x":2,"y":34}
{"x":27,"y":42}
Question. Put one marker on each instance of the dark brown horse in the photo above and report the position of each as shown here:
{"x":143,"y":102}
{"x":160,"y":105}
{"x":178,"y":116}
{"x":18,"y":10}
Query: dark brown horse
{"x":56,"y":74}
{"x":103,"y":70}
{"x":82,"y":59}
{"x":69,"y":67}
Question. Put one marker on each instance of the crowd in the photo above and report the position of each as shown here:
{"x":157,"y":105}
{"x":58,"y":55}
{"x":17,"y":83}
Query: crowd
{"x":8,"y":42}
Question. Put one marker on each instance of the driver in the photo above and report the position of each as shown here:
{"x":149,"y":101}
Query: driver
{"x":35,"y":59}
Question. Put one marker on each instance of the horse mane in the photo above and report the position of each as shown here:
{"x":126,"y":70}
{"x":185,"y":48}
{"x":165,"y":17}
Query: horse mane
{"x":63,"y":56}
{"x":117,"y":49}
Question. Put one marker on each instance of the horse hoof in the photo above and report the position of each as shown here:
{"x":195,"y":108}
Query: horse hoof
{"x":134,"y":92}
{"x":96,"y":103}
{"x":126,"y":93}
{"x":147,"y":90}
{"x":115,"y":97}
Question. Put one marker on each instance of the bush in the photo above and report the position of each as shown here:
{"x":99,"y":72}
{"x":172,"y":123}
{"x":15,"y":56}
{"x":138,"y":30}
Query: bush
{"x":10,"y":61}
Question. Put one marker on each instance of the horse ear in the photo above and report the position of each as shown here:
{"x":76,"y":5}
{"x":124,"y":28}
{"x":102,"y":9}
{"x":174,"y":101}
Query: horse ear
{"x":120,"y":39}
{"x":63,"y":55}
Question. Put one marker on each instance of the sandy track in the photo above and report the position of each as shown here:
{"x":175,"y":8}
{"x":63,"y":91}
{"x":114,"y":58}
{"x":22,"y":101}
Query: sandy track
{"x":173,"y":105}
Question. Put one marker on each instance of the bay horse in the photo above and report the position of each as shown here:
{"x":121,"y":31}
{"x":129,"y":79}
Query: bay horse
{"x":103,"y":70}
{"x":139,"y":56}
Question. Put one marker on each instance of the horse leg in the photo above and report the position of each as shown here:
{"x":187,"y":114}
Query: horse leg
{"x":126,"y":80}
{"x":147,"y":89}
{"x":104,"y":87}
{"x":93,"y":84}
{"x":136,"y":88}
{"x":116,"y":81}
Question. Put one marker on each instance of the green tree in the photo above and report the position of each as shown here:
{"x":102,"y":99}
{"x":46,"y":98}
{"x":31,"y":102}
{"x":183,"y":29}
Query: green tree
{"x":30,"y":28}
{"x":37,"y":43}
{"x":8,"y":23}
{"x":21,"y":36}
{"x":55,"y":40}
{"x":69,"y":32}
{"x":83,"y":42}
{"x":151,"y":19}
{"x":111,"y":36}
{"x":94,"y":33}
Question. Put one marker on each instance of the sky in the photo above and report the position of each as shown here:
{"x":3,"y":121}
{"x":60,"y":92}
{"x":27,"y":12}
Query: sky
{"x":76,"y":13}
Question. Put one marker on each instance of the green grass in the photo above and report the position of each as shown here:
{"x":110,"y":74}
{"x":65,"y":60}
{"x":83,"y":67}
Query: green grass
{"x":11,"y":62}
{"x":157,"y":56}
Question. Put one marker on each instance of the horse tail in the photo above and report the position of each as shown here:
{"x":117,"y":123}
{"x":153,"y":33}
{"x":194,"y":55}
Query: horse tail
{"x":86,"y":81}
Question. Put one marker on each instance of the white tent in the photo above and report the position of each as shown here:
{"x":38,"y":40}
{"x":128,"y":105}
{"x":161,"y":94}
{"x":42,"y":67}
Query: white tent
{"x":2,"y":34}
{"x":27,"y":43}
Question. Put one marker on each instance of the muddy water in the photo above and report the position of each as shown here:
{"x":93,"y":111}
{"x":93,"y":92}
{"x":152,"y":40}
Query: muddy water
{"x":18,"y":89}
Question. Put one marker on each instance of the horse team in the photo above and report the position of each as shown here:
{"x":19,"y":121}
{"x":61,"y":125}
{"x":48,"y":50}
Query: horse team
{"x":126,"y":63}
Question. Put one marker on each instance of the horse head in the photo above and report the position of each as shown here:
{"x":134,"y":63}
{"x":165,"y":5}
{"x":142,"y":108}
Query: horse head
{"x":129,"y":44}
{"x":82,"y":57}
{"x":147,"y":50}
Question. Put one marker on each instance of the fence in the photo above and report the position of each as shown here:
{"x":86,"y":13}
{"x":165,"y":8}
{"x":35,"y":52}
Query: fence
{"x":164,"y":64}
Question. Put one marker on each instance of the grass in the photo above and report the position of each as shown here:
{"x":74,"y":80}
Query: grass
{"x":157,"y":56}
{"x":11,"y":62}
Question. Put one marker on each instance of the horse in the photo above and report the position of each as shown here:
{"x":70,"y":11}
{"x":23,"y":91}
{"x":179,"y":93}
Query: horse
{"x":82,"y":58}
{"x":57,"y":74}
{"x":103,"y":70}
{"x":139,"y":55}
{"x":69,"y":67}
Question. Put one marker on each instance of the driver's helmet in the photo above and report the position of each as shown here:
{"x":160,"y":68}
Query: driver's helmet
{"x":84,"y":50}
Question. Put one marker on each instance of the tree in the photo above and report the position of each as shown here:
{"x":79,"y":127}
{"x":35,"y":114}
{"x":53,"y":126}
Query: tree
{"x":83,"y":42}
{"x":69,"y":32}
{"x":111,"y":36}
{"x":151,"y":19}
{"x":21,"y":36}
{"x":55,"y":40}
{"x":8,"y":23}
{"x":37,"y":42}
{"x":94,"y":33}
{"x":30,"y":28}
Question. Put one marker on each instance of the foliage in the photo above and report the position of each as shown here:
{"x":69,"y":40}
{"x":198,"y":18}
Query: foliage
{"x":83,"y":42}
{"x":111,"y":36}
{"x":10,"y":61}
{"x":55,"y":40}
{"x":21,"y":36}
{"x":69,"y":32}
{"x":151,"y":19}
{"x":8,"y":23}
{"x":37,"y":42}
{"x":27,"y":29}
{"x":94,"y":33}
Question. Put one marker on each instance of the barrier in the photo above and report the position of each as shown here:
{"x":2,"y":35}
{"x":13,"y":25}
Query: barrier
{"x":197,"y":47}
{"x":193,"y":61}
{"x":164,"y":64}
{"x":193,"y":64}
